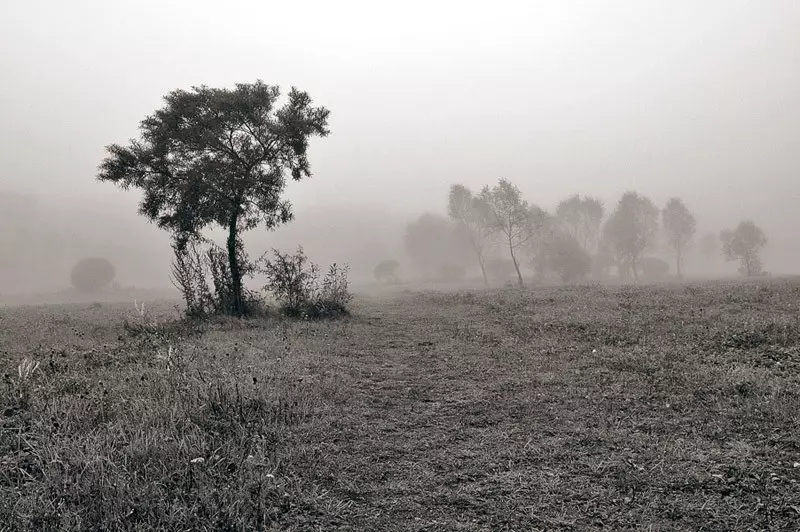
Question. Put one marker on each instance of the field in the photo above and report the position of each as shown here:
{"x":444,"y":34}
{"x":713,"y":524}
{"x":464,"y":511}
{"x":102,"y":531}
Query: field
{"x":664,"y":407}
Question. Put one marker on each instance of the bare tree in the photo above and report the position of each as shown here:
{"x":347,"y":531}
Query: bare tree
{"x":582,"y":218}
{"x":744,"y":244}
{"x":631,"y":230}
{"x":472,"y":214}
{"x":679,"y":226}
{"x":510,"y":216}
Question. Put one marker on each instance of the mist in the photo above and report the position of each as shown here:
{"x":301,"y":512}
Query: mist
{"x":696,"y":100}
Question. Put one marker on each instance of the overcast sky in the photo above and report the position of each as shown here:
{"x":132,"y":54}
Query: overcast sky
{"x":668,"y":97}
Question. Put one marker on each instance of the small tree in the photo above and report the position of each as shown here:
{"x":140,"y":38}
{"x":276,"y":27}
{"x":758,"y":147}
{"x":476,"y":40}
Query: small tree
{"x":510,"y":216}
{"x":631,"y":230}
{"x":472,"y":214}
{"x":386,"y":271}
{"x":744,"y":244}
{"x":679,"y":226}
{"x":92,"y":274}
{"x":219,"y":156}
{"x":581,"y":217}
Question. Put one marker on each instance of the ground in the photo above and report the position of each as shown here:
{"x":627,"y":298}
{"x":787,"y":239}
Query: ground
{"x":664,"y":407}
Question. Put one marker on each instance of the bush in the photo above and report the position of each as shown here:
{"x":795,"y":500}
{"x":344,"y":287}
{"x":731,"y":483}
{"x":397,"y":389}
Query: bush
{"x":653,"y":268}
{"x":569,"y":260}
{"x":386,"y":271}
{"x":92,"y":275}
{"x":295,"y":282}
{"x":450,"y":272}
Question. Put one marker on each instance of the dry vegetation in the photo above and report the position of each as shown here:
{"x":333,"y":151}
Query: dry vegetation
{"x":643,"y":408}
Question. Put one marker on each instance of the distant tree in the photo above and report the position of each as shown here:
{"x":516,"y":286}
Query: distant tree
{"x":92,"y":274}
{"x":472,"y":215}
{"x":450,"y":272}
{"x":431,"y":241}
{"x":709,"y":247}
{"x":219,"y":156}
{"x":679,"y":226}
{"x":654,"y":268}
{"x":510,"y":216}
{"x":386,"y":271}
{"x":631,"y":230}
{"x":581,"y":217}
{"x":569,"y":260}
{"x":602,"y":262}
{"x":500,"y":269}
{"x":544,"y":229}
{"x":744,"y":244}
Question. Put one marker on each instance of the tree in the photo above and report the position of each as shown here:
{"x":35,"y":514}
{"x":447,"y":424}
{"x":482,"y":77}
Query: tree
{"x":679,"y":226}
{"x":654,"y":268}
{"x":545,"y":229}
{"x":92,"y":274}
{"x":581,"y":218}
{"x":744,"y":244}
{"x":631,"y":230}
{"x":709,"y":247}
{"x":386,"y":271}
{"x":472,"y":215}
{"x":510,"y":216}
{"x":568,"y":259}
{"x":431,"y":241}
{"x":219,"y":156}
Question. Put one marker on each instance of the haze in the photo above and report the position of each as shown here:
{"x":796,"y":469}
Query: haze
{"x":693,"y":99}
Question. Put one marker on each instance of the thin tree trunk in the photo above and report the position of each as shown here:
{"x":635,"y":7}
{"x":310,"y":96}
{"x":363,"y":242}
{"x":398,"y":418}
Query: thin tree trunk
{"x":483,"y":272}
{"x":635,"y":272}
{"x":678,"y":260}
{"x":236,"y":304}
{"x":514,"y":260}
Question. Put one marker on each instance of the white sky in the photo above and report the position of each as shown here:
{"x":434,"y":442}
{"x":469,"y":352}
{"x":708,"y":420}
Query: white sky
{"x":698,"y":99}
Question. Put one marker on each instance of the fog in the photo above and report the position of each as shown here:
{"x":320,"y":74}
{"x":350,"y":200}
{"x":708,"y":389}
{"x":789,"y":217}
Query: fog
{"x":672,"y":98}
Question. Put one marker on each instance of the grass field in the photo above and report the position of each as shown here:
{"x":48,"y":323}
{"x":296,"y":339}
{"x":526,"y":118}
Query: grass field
{"x":673,"y":407}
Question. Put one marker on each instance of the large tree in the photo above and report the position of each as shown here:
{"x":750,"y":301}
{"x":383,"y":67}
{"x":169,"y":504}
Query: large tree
{"x":631,"y":230}
{"x":679,"y":227}
{"x":744,"y":244}
{"x":510,"y":216}
{"x":472,"y":214}
{"x":219,"y":156}
{"x":581,"y":218}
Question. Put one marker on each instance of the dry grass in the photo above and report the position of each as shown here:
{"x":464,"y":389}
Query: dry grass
{"x":649,"y":408}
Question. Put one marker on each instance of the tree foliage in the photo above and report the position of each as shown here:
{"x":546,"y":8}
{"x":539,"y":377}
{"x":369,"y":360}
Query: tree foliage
{"x":679,"y":227}
{"x":744,"y":244}
{"x":431,"y":241}
{"x":569,"y":259}
{"x":473,"y":216}
{"x":581,"y":217}
{"x":92,"y":274}
{"x":631,"y":230}
{"x":219,"y":156}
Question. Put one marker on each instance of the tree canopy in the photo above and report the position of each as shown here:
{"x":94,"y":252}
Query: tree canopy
{"x":679,"y":226}
{"x":631,"y":230}
{"x":744,"y":244}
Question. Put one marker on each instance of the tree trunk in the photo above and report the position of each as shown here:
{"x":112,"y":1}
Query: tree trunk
{"x":678,"y":261}
{"x":483,"y":272}
{"x":634,"y":269}
{"x":516,"y":266}
{"x":236,"y":303}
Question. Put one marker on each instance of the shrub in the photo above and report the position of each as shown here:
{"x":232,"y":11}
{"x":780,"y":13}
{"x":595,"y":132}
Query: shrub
{"x":191,"y":270}
{"x":569,"y":260}
{"x":654,"y":268}
{"x":295,"y":282}
{"x":386,"y":271}
{"x":450,"y":272}
{"x":92,"y":274}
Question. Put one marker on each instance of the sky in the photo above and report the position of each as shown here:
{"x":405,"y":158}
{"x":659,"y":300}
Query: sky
{"x":695,"y":99}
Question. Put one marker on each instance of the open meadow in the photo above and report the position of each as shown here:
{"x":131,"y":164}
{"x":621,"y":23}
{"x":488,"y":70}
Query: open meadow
{"x":660,"y":407}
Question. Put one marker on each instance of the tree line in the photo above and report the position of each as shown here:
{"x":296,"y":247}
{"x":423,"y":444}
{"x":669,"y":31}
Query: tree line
{"x":577,"y":240}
